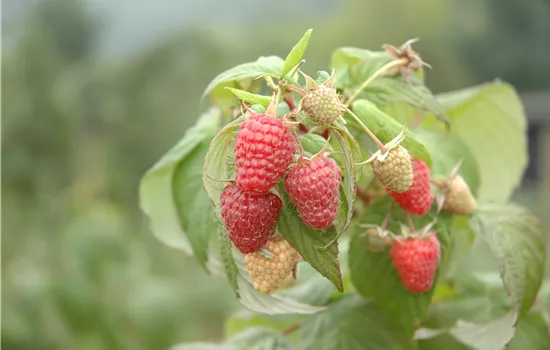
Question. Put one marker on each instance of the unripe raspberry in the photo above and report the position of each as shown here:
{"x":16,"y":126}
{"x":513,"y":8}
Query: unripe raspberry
{"x":458,"y":198}
{"x":263,"y":151}
{"x":418,"y":198}
{"x":314,"y":188}
{"x":416,"y":261}
{"x":323,"y":106}
{"x":249,"y":219}
{"x":270,"y":274}
{"x":394,"y":170}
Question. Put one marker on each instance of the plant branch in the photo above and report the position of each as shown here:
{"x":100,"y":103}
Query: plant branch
{"x":378,"y":73}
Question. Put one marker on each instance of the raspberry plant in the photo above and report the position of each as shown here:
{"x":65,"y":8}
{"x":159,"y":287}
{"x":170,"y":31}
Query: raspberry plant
{"x":355,"y":209}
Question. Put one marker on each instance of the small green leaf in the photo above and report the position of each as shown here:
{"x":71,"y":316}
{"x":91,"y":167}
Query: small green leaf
{"x":250,"y":97}
{"x":319,"y":248}
{"x":490,"y":120}
{"x":296,"y":53}
{"x":345,"y":59}
{"x":352,"y":323}
{"x":515,"y":238}
{"x":176,"y":175}
{"x":265,"y":66}
{"x":226,"y":253}
{"x":374,"y":276}
{"x":386,"y":128}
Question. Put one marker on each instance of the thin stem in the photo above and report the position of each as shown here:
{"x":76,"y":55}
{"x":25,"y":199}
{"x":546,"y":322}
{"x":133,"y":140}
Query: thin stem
{"x":295,"y":89}
{"x":387,"y":218}
{"x":378,"y":73}
{"x":439,"y":184}
{"x":290,"y":102}
{"x":292,"y":328}
{"x":410,"y":222}
{"x":368,"y":131}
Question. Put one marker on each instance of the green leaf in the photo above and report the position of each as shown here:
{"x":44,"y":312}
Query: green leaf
{"x":345,"y":59}
{"x":171,"y":219}
{"x":384,"y":91}
{"x":353,"y":323}
{"x":386,"y":128}
{"x":490,"y":336}
{"x":532,"y":333}
{"x":226,"y":253}
{"x":515,"y":238}
{"x":196,"y":216}
{"x":447,"y":151}
{"x":319,"y":248}
{"x":263,"y":66}
{"x":244,"y":319}
{"x":250,"y":97}
{"x":257,"y":338}
{"x":313,"y":143}
{"x":347,"y":192}
{"x":296,"y":53}
{"x":490,"y":120}
{"x":374,"y":276}
{"x":202,"y":346}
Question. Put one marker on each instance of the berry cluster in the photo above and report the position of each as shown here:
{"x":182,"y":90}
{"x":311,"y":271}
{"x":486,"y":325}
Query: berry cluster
{"x":264,"y":151}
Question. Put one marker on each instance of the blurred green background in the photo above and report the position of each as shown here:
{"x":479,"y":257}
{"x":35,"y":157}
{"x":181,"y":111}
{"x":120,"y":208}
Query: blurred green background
{"x":95,"y":91}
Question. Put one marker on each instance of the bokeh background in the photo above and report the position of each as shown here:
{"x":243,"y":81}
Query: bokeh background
{"x":95,"y":91}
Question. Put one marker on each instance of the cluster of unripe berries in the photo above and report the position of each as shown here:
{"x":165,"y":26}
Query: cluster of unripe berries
{"x":416,"y":257}
{"x":265,"y":150}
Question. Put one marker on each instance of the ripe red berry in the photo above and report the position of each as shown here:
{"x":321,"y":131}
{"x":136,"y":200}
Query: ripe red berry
{"x":314,"y":189}
{"x":416,"y":262}
{"x":249,"y":219}
{"x":418,"y":198}
{"x":263,"y":151}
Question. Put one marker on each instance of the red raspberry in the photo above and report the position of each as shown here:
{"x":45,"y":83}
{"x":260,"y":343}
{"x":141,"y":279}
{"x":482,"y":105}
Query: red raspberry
{"x":249,"y":219}
{"x":314,"y":189}
{"x":418,"y":198}
{"x":416,"y":261}
{"x":263,"y":151}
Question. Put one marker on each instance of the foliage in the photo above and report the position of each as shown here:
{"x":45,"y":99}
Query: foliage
{"x":482,"y":127}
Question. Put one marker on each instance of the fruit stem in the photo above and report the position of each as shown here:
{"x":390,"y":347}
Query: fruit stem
{"x":289,"y":102}
{"x":295,"y":89}
{"x":368,"y":131}
{"x":292,"y":328}
{"x":410,"y":223}
{"x":387,"y":218}
{"x":378,"y":73}
{"x":439,"y":184}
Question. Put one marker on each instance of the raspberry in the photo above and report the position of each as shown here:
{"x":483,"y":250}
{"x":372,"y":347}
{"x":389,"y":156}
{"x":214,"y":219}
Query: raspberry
{"x":263,"y":151}
{"x":249,"y":219}
{"x":416,"y":261}
{"x":418,"y":198}
{"x":270,"y":274}
{"x":394,"y":170}
{"x":458,"y":198}
{"x":322,"y":104}
{"x":314,"y":189}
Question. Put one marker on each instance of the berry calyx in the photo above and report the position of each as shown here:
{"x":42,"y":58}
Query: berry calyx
{"x":263,"y":151}
{"x":418,"y":198}
{"x":458,"y":198}
{"x":416,"y":261}
{"x":313,"y":187}
{"x":393,"y":169}
{"x":249,"y":219}
{"x":270,"y":274}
